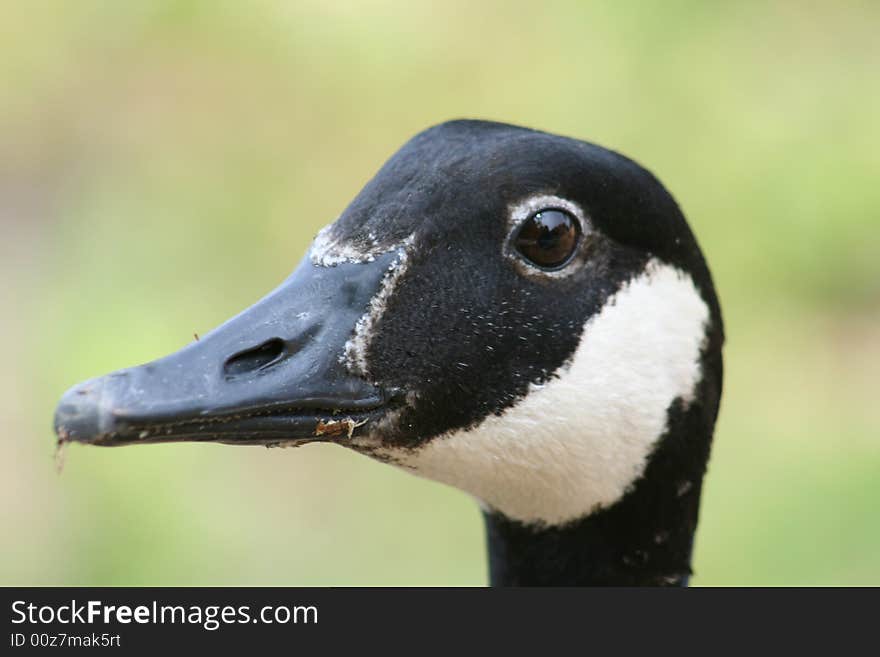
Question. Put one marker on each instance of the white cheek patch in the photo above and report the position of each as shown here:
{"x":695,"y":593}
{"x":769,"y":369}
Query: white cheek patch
{"x":579,"y":441}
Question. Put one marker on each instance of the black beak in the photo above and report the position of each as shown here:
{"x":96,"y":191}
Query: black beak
{"x":274,"y":374}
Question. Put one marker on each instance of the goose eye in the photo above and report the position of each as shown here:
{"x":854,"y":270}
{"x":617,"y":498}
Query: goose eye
{"x":548,"y":238}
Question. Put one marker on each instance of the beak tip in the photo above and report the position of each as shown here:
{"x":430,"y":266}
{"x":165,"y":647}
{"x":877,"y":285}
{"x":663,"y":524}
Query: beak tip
{"x":79,"y":416}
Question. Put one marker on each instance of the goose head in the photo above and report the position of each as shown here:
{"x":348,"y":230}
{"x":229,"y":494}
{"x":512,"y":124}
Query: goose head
{"x":523,"y":316}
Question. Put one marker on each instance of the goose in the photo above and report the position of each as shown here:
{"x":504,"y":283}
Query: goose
{"x":524,"y":316}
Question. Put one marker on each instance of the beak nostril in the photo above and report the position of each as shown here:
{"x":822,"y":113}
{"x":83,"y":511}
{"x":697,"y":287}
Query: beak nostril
{"x":254,"y":359}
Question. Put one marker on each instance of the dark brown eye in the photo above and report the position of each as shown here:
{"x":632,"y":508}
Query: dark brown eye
{"x":548,"y":238}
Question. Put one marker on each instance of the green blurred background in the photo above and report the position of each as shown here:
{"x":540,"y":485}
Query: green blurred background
{"x":164,"y":164}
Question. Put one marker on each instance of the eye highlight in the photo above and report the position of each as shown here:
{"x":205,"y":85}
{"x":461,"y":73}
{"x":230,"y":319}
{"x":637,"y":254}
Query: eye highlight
{"x":548,"y":238}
